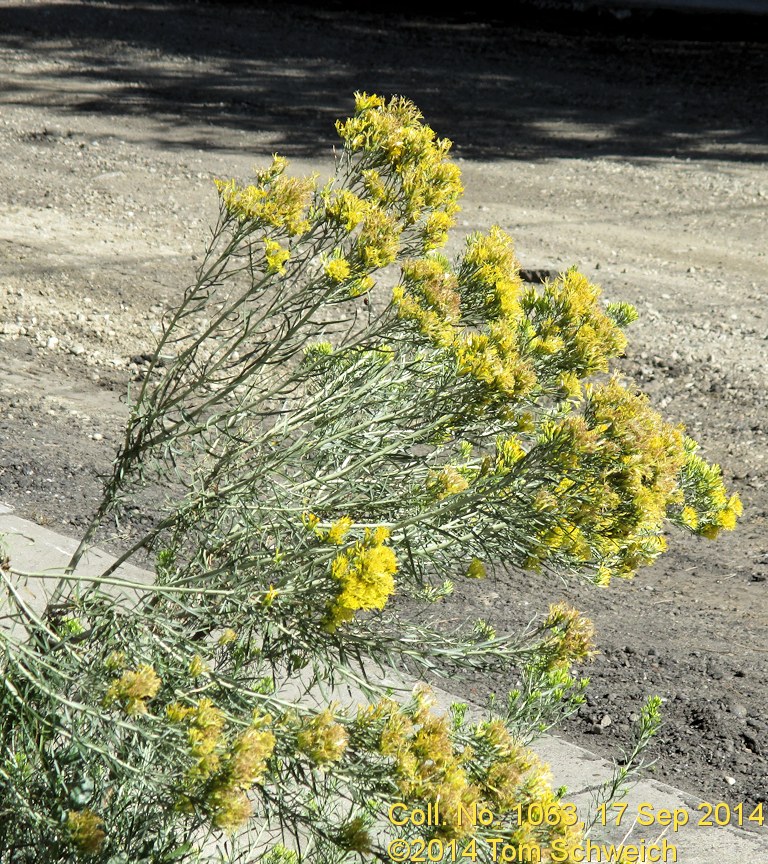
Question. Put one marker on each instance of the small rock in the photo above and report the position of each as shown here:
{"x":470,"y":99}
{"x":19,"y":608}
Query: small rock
{"x":738,"y":709}
{"x":51,"y":343}
{"x":606,"y":721}
{"x":77,"y":350}
{"x":731,"y":781}
{"x":97,"y":436}
{"x":714,"y":670}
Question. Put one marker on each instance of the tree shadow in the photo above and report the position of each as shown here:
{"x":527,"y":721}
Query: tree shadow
{"x":285,"y":72}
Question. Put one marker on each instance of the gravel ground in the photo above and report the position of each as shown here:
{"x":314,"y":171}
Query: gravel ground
{"x":643,"y":162}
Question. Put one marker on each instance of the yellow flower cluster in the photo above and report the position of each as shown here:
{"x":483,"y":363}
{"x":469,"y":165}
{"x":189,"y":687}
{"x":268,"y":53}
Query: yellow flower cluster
{"x":427,"y":766}
{"x":376,"y":242}
{"x":243,"y":765}
{"x":514,"y":344}
{"x":133,"y":689}
{"x":509,"y":451}
{"x":406,"y":164}
{"x":427,"y":294}
{"x":483,"y":293}
{"x":338,"y":531}
{"x":513,"y":776}
{"x":323,"y":739}
{"x":85,"y":831}
{"x":274,"y":202}
{"x":488,"y":769}
{"x":222,"y":771}
{"x":573,"y":636}
{"x":476,"y":569}
{"x":338,"y":269}
{"x":489,"y":275}
{"x":620,"y":465}
{"x":115,"y":660}
{"x":375,"y":185}
{"x":226,"y":637}
{"x":507,"y":766}
{"x":708,"y":508}
{"x":345,"y":209}
{"x":197,"y":667}
{"x":565,"y":319}
{"x":622,"y":470}
{"x":354,"y":836}
{"x":275,"y":256}
{"x":494,"y":361}
{"x":205,"y":727}
{"x":366,"y":573}
{"x":448,"y":481}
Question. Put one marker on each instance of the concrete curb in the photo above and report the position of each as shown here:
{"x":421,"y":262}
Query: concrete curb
{"x":37,"y":549}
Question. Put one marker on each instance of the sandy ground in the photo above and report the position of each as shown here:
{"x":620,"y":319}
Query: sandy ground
{"x":642,"y":162}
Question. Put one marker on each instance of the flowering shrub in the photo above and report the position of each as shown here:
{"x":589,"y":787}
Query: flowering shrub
{"x":321,"y":462}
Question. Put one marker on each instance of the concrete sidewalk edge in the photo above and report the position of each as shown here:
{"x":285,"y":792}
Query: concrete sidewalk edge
{"x":33,"y":548}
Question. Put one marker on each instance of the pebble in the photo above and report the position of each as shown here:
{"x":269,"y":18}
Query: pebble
{"x":738,"y":709}
{"x":97,"y":436}
{"x":51,"y":343}
{"x":731,"y":781}
{"x":714,"y":670}
{"x":606,"y":721}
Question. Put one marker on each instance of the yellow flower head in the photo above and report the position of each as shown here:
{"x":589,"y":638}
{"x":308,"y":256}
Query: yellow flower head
{"x":323,"y":739}
{"x":85,"y":830}
{"x":476,"y":569}
{"x":354,"y":837}
{"x":270,"y":595}
{"x":247,"y":760}
{"x":339,"y":530}
{"x":446,"y":482}
{"x":197,"y":666}
{"x":133,"y":689}
{"x":338,"y":269}
{"x":275,"y":256}
{"x":229,"y":808}
{"x":227,"y":636}
{"x":574,"y":635}
{"x":366,"y":573}
{"x":116,"y":660}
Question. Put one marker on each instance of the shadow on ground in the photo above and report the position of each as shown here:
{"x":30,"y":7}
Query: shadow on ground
{"x":288,"y":71}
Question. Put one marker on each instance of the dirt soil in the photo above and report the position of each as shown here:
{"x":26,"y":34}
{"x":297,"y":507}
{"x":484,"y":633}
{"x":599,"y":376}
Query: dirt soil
{"x":642,"y":162}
